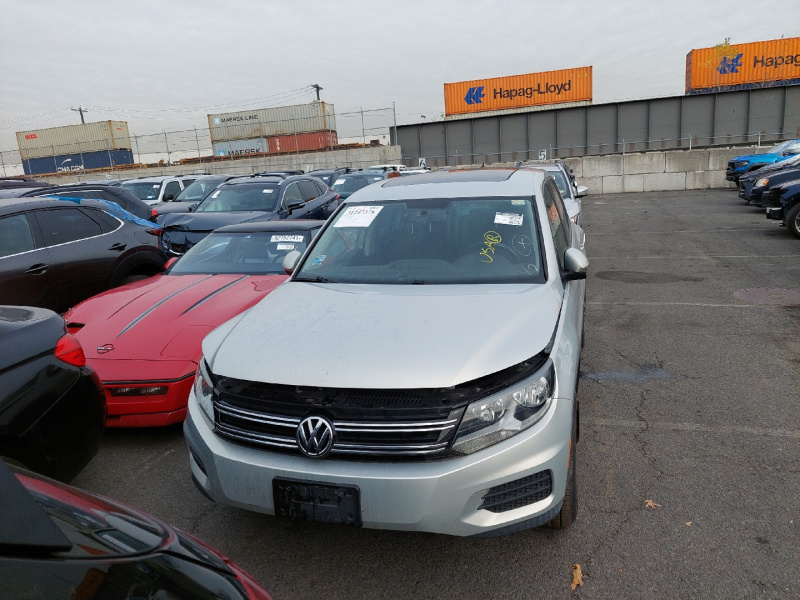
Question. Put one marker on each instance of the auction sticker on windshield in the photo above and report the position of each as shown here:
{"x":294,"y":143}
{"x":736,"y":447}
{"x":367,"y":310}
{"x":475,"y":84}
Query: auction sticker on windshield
{"x":358,"y":216}
{"x":508,"y":219}
{"x":286,"y":238}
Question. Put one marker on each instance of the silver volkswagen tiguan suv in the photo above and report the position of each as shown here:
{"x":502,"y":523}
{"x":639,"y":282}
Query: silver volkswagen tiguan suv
{"x":418,"y":371}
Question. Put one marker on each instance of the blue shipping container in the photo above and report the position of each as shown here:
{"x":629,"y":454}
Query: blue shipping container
{"x":77,"y":162}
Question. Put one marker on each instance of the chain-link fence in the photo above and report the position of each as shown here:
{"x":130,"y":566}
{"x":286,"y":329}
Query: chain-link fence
{"x":194,"y":147}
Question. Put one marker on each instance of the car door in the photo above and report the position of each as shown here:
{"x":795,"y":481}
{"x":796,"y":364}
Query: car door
{"x":84,"y":251}
{"x":566,"y":235}
{"x":320,"y":203}
{"x":292,"y":194}
{"x":27,"y":276}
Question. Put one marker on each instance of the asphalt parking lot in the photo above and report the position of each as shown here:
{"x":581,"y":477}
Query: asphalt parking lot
{"x":688,"y":455}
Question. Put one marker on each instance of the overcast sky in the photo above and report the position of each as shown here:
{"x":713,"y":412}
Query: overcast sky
{"x":165,"y":64}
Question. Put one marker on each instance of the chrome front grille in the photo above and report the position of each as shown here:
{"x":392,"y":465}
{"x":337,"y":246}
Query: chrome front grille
{"x":419,"y":438}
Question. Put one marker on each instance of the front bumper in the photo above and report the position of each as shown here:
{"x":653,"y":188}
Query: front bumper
{"x":148,"y":410}
{"x":775,"y":214}
{"x":438,"y":497}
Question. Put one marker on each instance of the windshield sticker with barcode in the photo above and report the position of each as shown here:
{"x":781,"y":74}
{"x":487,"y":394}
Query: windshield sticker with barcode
{"x":507,"y":219}
{"x":358,"y":216}
{"x":338,"y":182}
{"x":286,"y":238}
{"x":285,"y":246}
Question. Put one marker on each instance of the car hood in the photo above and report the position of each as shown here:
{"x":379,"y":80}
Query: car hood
{"x":758,"y":157}
{"x":385,"y":336}
{"x":210,"y":221}
{"x":163,"y":318}
{"x":770,"y":168}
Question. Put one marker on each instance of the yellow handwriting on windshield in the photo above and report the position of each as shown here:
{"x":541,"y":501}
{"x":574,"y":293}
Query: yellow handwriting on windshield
{"x":490,"y":238}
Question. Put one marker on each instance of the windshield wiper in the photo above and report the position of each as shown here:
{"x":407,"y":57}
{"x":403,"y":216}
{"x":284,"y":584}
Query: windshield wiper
{"x":317,"y":279}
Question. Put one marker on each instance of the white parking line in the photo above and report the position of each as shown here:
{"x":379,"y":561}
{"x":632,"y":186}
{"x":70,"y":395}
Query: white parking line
{"x":704,"y":304}
{"x":692,"y":427}
{"x":696,"y":257}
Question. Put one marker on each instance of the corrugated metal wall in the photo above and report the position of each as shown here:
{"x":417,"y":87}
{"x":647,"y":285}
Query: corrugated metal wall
{"x":679,"y":122}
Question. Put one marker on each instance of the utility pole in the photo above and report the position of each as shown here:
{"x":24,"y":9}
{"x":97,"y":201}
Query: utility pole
{"x":80,"y":110}
{"x":316,"y":87}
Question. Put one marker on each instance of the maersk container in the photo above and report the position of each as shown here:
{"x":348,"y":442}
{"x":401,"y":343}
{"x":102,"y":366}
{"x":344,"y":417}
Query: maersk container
{"x":303,"y":142}
{"x":240,"y":147}
{"x":729,"y":67}
{"x":83,"y":138}
{"x":266,"y":122}
{"x":518,"y":91}
{"x":82,"y":161}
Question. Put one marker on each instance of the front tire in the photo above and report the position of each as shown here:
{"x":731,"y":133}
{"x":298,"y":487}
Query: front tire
{"x":569,"y":507}
{"x":793,"y":220}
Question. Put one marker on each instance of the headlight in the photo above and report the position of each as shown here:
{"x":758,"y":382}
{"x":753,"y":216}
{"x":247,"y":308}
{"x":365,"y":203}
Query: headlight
{"x":504,"y":414}
{"x":762,"y":182}
{"x":739,"y":163}
{"x":204,"y":390}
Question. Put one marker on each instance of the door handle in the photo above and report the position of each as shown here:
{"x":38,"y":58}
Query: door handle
{"x":118,"y":247}
{"x":38,"y":269}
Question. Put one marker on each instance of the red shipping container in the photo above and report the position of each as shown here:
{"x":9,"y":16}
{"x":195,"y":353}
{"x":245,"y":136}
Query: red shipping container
{"x":302,"y":142}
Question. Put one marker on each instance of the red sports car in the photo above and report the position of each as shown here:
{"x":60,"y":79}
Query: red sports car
{"x":143,"y":339}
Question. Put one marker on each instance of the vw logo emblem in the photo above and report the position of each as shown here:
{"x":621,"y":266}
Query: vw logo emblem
{"x":105,"y":348}
{"x":315,"y":436}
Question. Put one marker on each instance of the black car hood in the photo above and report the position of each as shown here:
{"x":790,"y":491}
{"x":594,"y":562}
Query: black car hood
{"x":207,"y":222}
{"x":770,"y":168}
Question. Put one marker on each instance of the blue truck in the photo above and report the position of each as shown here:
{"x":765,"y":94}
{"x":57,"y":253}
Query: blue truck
{"x":740,"y":165}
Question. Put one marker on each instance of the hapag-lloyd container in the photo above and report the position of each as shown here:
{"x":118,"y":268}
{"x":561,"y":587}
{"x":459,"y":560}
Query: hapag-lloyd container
{"x":518,"y":91}
{"x":77,"y":162}
{"x":300,"y":142}
{"x":84,"y":138}
{"x":729,"y":67}
{"x":266,"y":122}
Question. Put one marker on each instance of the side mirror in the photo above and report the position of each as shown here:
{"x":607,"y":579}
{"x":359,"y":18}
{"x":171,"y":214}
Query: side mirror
{"x":294,"y":205}
{"x":169,"y":197}
{"x":170,"y":262}
{"x":575,"y":265}
{"x":192,"y":207}
{"x":582,"y":191}
{"x":290,"y":261}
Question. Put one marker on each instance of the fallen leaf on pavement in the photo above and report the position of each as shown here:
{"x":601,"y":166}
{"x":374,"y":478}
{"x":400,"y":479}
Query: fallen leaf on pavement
{"x":651,"y":504}
{"x":577,"y":576}
{"x":688,"y":523}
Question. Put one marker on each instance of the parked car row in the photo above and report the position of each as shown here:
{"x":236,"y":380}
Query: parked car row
{"x":776,"y":187}
{"x":340,"y":352}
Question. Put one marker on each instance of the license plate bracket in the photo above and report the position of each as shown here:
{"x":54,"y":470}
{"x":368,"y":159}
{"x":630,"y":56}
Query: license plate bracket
{"x":312,"y":501}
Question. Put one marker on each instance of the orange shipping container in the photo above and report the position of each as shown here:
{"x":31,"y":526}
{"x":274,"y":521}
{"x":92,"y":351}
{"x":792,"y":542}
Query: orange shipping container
{"x":518,"y":91}
{"x":757,"y":64}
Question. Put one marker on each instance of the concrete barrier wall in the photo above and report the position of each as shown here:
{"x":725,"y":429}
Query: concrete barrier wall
{"x":356,"y":158}
{"x":657,"y":171}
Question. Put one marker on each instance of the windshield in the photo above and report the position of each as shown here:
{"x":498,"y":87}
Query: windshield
{"x":143,"y":190}
{"x":348,"y":185}
{"x":776,"y":149}
{"x":245,"y":253}
{"x":433,"y":241}
{"x":199,"y":189}
{"x":233,"y":198}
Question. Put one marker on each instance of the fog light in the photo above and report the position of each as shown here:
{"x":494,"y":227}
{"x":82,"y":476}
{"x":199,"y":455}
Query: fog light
{"x":154,"y":390}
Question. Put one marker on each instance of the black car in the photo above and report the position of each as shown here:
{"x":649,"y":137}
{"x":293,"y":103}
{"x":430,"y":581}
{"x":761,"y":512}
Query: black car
{"x":255,"y":198}
{"x":61,"y":543}
{"x":329,"y":176}
{"x":55,"y":253}
{"x":52,"y":407}
{"x":783,"y":203}
{"x":21,"y":182}
{"x":190,"y":197}
{"x":765,"y":181}
{"x":113,"y":193}
{"x":347,"y":183}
